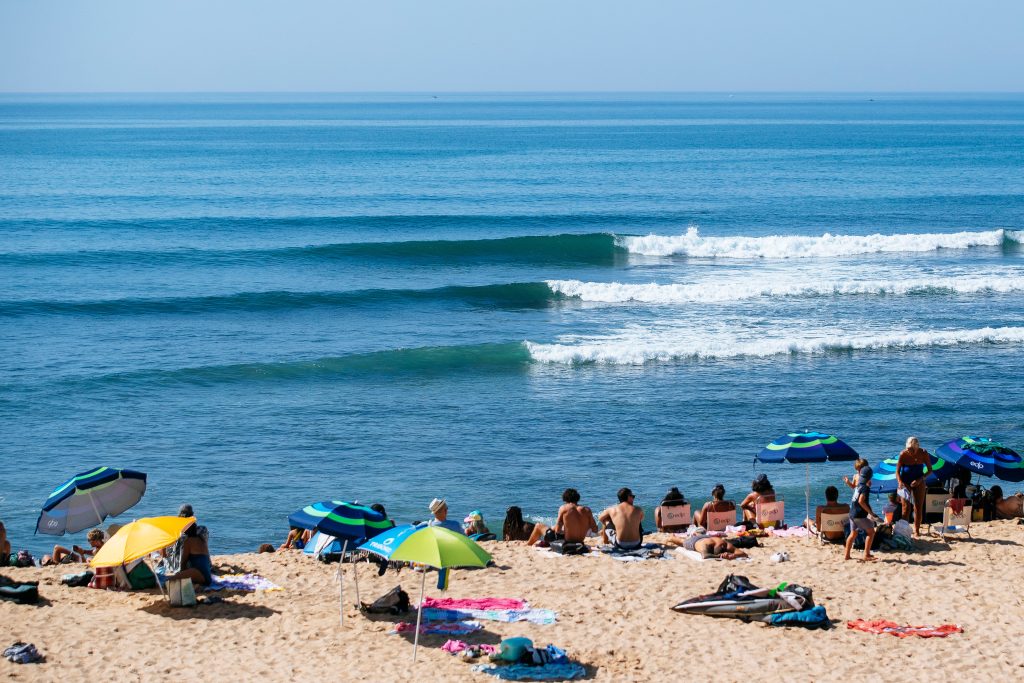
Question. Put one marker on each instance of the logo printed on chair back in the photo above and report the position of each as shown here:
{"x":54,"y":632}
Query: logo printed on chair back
{"x":770,"y":512}
{"x":675,"y":515}
{"x":833,"y":523}
{"x":717,"y":521}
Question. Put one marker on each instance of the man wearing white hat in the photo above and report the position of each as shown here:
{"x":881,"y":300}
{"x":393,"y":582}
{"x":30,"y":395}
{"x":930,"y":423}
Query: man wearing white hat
{"x":439,"y":508}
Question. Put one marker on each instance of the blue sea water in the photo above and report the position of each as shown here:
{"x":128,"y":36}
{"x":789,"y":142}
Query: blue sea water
{"x":263,"y":301}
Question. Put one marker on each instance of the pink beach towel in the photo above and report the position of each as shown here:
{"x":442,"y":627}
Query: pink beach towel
{"x":457,"y":646}
{"x":474,"y":603}
{"x":894,"y":629}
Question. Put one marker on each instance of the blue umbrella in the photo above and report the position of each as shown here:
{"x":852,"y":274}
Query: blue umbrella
{"x":385,"y":543}
{"x":884,"y":479}
{"x":984,"y":456}
{"x":348,"y":521}
{"x":807,"y":447}
{"x":88,"y":498}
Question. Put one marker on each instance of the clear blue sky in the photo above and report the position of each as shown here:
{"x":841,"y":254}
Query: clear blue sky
{"x":474,"y":45}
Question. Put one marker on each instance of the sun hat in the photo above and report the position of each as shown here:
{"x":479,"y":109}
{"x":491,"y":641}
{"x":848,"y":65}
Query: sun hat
{"x":437,"y":504}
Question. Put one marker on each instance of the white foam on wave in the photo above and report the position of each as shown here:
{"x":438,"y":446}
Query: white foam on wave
{"x":739,"y":290}
{"x":637,"y":346}
{"x":693,"y":244}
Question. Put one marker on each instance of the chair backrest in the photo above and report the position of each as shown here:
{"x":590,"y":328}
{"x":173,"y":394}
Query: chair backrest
{"x":833,"y":522}
{"x":770,"y":514}
{"x":961,"y":519}
{"x":717,"y":521}
{"x":676,"y":515}
{"x":934,"y":504}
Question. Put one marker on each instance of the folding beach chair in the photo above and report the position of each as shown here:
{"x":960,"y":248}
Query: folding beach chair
{"x":953,"y":521}
{"x":770,"y":514}
{"x":675,"y":515}
{"x":934,"y":504}
{"x":832,"y":521}
{"x":717,"y":521}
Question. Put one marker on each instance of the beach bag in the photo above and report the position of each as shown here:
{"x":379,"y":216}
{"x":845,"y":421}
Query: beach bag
{"x":141,"y":577}
{"x":563,"y":548}
{"x":744,"y":542}
{"x":181,"y":593}
{"x":395,"y":601}
{"x":79,"y":580}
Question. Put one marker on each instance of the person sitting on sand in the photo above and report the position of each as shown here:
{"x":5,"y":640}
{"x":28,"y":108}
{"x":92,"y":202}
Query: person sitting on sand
{"x":893,"y":511}
{"x":439,"y":508}
{"x":862,"y":517}
{"x":761,"y":491}
{"x":5,"y":547}
{"x":709,"y":546}
{"x":622,"y":522}
{"x":377,"y":507}
{"x":173,"y":554}
{"x":297,"y":539}
{"x":832,"y":506}
{"x":474,"y":525}
{"x":672,"y":499}
{"x":62,"y":555}
{"x":195,"y":559}
{"x":912,"y":469}
{"x":716,"y":504}
{"x":515,"y":528}
{"x":574,"y":521}
{"x":1007,"y":508}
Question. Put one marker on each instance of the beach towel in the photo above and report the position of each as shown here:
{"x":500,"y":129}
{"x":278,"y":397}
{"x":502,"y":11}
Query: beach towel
{"x":649,"y":551}
{"x":457,"y":646}
{"x":534,"y":616}
{"x":697,"y":557}
{"x":450,"y":628}
{"x":474,"y":603}
{"x":791,"y":532}
{"x":564,"y":671}
{"x":242,"y":582}
{"x":894,"y":629}
{"x":548,"y":552}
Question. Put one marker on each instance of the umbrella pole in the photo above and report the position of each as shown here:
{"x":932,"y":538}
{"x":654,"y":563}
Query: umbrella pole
{"x":99,"y":517}
{"x":807,"y":492}
{"x":419,"y":615}
{"x":341,"y":585}
{"x":355,"y":578}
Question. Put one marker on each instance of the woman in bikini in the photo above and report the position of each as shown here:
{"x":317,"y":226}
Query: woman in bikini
{"x":912,"y":468}
{"x":716,"y":504}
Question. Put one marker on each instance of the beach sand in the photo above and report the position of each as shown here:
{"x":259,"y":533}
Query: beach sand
{"x":612,"y":616}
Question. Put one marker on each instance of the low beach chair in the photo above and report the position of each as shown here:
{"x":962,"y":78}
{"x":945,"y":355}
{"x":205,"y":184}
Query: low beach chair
{"x":675,"y":515}
{"x":934,"y":504}
{"x":770,"y":514}
{"x":834,"y":521}
{"x":717,"y":521}
{"x":956,"y":518}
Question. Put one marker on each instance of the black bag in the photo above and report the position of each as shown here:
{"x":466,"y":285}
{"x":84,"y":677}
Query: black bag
{"x":564,"y":548}
{"x":79,"y":580}
{"x":26,"y":593}
{"x":744,"y":542}
{"x":395,"y":601}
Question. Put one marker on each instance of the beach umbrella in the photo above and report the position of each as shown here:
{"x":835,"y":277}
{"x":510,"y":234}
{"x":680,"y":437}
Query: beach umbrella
{"x":807,"y":447}
{"x":88,"y":498}
{"x":984,"y":456}
{"x":433,"y":546}
{"x":348,"y":522}
{"x":140,"y":538}
{"x":884,"y":479}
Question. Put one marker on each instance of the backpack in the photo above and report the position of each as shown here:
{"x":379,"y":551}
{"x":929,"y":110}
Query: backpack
{"x":395,"y":601}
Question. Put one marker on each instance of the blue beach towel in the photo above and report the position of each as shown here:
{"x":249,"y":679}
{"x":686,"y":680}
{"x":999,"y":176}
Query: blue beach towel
{"x":564,"y":671}
{"x":808,"y":618}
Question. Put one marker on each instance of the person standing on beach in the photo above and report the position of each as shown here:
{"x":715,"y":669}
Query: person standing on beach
{"x":912,"y":468}
{"x":861,"y":515}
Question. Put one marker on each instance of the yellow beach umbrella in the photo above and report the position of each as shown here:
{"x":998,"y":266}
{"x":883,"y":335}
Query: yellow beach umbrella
{"x":140,"y":538}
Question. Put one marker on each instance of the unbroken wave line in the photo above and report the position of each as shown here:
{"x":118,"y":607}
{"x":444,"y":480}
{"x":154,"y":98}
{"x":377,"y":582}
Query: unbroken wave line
{"x":636,"y":351}
{"x":694,"y":245}
{"x":711,"y":292}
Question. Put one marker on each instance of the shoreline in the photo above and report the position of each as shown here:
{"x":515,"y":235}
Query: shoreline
{"x":613,"y":616}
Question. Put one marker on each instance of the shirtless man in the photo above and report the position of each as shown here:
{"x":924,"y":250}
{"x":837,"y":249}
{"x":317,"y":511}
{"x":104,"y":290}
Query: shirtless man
{"x":1007,"y":508}
{"x":574,"y":520}
{"x":622,"y":522}
{"x":709,"y":547}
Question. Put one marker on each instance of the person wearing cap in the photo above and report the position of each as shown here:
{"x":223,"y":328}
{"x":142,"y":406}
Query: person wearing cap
{"x":862,"y":517}
{"x":439,"y":508}
{"x":173,"y":554}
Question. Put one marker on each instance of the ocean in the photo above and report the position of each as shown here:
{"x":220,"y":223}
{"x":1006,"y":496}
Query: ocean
{"x":267,"y":300}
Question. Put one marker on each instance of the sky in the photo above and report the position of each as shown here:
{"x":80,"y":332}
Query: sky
{"x":526,"y":45}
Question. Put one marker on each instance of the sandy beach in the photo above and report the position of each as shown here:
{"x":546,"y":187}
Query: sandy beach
{"x":612,"y":616}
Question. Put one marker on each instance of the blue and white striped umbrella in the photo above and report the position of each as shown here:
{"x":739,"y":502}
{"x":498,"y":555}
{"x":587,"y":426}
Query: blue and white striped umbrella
{"x":86,"y":499}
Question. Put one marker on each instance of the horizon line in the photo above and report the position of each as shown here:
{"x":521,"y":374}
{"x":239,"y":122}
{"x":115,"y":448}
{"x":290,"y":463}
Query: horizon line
{"x":512,"y":92}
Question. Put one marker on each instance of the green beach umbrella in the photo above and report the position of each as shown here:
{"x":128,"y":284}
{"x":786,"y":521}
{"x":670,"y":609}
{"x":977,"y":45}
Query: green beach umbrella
{"x":433,"y":546}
